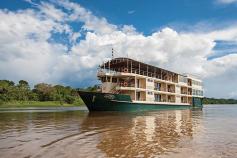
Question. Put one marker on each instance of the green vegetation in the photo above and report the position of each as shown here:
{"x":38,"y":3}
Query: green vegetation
{"x":21,"y":95}
{"x":13,"y":104}
{"x":219,"y":101}
{"x":43,"y":94}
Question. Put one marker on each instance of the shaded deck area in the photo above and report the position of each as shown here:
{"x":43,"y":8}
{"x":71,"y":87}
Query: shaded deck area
{"x":128,"y":65}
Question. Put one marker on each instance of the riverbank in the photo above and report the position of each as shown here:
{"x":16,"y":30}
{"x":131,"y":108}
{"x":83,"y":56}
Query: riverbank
{"x":21,"y":104}
{"x":29,"y":104}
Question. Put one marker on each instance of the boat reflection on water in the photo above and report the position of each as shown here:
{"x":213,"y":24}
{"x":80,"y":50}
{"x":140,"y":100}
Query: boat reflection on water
{"x":144,"y":135}
{"x":101,"y":134}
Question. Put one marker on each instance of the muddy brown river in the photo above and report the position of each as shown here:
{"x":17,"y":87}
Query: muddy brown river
{"x":74,"y":132}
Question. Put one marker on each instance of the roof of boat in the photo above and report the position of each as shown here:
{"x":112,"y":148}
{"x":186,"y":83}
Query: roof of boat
{"x":123,"y":61}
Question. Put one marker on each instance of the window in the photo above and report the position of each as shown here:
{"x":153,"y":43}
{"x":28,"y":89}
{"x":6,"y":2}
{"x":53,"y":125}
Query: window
{"x":138,"y":83}
{"x":197,"y":92}
{"x":183,"y":79}
{"x":150,"y":93}
{"x":149,"y":80}
{"x":197,"y":83}
{"x":157,"y":97}
{"x":157,"y":86}
{"x":103,"y":79}
{"x":114,"y":80}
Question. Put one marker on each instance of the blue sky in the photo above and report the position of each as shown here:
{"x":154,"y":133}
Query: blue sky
{"x":148,"y":16}
{"x":58,"y":41}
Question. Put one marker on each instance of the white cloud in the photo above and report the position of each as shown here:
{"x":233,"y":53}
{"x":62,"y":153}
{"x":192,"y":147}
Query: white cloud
{"x":227,"y":34}
{"x":24,"y":47}
{"x":91,"y":22}
{"x":31,"y":2}
{"x":226,"y":1}
{"x":220,"y":66}
{"x":233,"y":94}
{"x":131,"y":11}
{"x":26,"y":52}
{"x":51,"y":12}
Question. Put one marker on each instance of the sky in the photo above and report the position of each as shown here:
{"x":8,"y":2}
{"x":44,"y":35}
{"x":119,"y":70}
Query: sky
{"x":63,"y":42}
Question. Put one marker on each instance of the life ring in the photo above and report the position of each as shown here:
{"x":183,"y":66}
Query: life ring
{"x":125,"y":84}
{"x":125,"y":70}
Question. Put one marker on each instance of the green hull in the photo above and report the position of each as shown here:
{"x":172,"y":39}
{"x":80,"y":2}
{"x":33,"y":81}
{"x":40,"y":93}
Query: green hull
{"x":119,"y":102}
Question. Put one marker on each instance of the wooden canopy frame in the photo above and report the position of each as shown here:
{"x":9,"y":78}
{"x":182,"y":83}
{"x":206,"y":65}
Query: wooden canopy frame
{"x":128,"y":65}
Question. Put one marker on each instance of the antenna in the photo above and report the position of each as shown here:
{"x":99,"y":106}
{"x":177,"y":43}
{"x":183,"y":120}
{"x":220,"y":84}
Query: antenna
{"x":112,"y":53}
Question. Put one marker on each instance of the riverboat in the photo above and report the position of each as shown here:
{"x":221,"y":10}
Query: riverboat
{"x":130,"y":85}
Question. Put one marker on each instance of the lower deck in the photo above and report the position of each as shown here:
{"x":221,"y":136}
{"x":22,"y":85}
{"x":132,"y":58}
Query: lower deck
{"x":157,"y":97}
{"x":118,"y":102}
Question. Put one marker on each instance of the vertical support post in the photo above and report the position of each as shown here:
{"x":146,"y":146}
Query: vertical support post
{"x":131,"y":66}
{"x":127,"y":63}
{"x":147,"y":70}
{"x":166,"y":87}
{"x":139,"y":68}
{"x":161,"y":75}
{"x":155,"y":73}
{"x":109,"y":66}
{"x":135,"y":88}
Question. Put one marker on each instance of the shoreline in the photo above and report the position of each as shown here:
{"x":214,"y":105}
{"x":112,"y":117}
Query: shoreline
{"x":52,"y":105}
{"x":43,"y":109}
{"x":38,"y":104}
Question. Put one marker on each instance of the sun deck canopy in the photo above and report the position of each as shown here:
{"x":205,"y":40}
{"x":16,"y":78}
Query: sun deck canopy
{"x":132,"y":66}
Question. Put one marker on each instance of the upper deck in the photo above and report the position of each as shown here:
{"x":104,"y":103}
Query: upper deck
{"x":127,"y":65}
{"x":133,"y":67}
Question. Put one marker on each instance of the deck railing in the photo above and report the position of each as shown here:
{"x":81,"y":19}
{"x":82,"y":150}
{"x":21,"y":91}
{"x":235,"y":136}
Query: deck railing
{"x":141,"y":72}
{"x":126,"y":84}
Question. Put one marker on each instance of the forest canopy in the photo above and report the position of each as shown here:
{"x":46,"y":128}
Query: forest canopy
{"x":9,"y":91}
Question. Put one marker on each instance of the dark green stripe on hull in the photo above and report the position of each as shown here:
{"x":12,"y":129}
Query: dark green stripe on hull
{"x":119,"y":102}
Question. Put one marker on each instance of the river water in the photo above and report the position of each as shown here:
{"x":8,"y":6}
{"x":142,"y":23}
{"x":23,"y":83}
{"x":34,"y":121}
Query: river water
{"x":73,"y":132}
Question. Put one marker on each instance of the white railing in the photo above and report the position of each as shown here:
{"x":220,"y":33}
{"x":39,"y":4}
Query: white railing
{"x":105,"y":71}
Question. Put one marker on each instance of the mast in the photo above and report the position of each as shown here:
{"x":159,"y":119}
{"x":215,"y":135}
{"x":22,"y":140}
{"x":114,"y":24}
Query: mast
{"x":112,"y":53}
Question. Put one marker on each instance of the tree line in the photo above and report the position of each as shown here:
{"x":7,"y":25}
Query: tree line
{"x":219,"y":101}
{"x":9,"y":91}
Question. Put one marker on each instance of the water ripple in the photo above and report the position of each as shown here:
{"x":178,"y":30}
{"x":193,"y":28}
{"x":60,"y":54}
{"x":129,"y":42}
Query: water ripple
{"x":208,"y":133}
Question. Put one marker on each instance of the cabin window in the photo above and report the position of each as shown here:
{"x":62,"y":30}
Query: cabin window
{"x":157,"y":86}
{"x":138,"y":83}
{"x":197,"y":92}
{"x":197,"y":83}
{"x":114,"y":80}
{"x":103,"y":79}
{"x":138,"y":96}
{"x":157,"y":97}
{"x":183,"y":79}
{"x":150,"y":93}
{"x":149,"y":80}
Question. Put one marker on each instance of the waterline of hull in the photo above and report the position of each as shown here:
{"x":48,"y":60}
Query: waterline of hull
{"x":117,"y":102}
